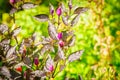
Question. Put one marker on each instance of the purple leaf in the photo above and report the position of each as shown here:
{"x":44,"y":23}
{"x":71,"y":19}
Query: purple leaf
{"x":14,"y":75}
{"x":27,"y":42}
{"x":51,"y":9}
{"x":22,"y":48}
{"x":75,"y":56}
{"x":34,"y":36}
{"x":62,"y":67}
{"x":67,"y":34}
{"x":3,"y":28}
{"x":5,"y":41}
{"x":42,"y":17}
{"x":65,"y":20}
{"x":19,"y":65}
{"x":80,"y":10}
{"x":63,"y":8}
{"x":16,"y":31}
{"x":52,"y":31}
{"x":10,"y":52}
{"x":5,"y":71}
{"x":28,"y":5}
{"x":46,"y":48}
{"x":46,"y":40}
{"x":39,"y":73}
{"x":75,"y":20}
{"x":27,"y":61}
{"x":56,"y":58}
{"x":60,"y":53}
{"x":72,"y":41}
{"x":13,"y":10}
{"x":70,"y":4}
{"x":49,"y":64}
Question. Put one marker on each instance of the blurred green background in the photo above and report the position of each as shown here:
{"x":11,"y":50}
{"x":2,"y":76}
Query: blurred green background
{"x":97,"y":33}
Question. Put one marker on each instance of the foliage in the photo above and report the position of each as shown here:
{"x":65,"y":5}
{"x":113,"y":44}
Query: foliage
{"x":27,"y":59}
{"x":97,"y":33}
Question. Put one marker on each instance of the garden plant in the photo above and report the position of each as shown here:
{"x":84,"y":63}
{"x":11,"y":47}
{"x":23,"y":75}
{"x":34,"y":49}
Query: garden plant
{"x":45,"y":57}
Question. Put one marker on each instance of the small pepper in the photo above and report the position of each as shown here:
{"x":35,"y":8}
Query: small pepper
{"x":36,"y":61}
{"x":12,"y":1}
{"x":60,"y":35}
{"x":59,"y":11}
{"x":51,"y":68}
{"x":19,"y":69}
{"x":61,"y":43}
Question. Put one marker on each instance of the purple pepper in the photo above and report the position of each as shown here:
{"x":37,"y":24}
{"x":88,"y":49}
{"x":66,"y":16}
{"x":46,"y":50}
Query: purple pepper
{"x":61,"y":43}
{"x":51,"y":12}
{"x":60,"y":35}
{"x":51,"y":9}
{"x":59,"y":11}
{"x":12,"y":1}
{"x":51,"y":68}
{"x":36,"y":61}
{"x":70,"y":4}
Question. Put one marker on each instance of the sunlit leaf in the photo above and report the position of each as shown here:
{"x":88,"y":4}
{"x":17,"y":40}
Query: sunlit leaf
{"x":63,"y":8}
{"x":51,"y":9}
{"x":39,"y":73}
{"x":75,"y":56}
{"x":72,"y":41}
{"x":3,"y":28}
{"x":5,"y":44}
{"x":65,"y":20}
{"x":80,"y":10}
{"x":21,"y":48}
{"x":5,"y":41}
{"x":56,"y":58}
{"x":70,"y":4}
{"x":75,"y":20}
{"x":62,"y":67}
{"x":21,"y":64}
{"x":49,"y":62}
{"x":12,"y":62}
{"x":11,"y":51}
{"x":6,"y":47}
{"x":28,"y":5}
{"x":67,"y":34}
{"x":46,"y":48}
{"x":27,"y":42}
{"x":60,"y":53}
{"x":16,"y":31}
{"x":13,"y":10}
{"x":34,"y":36}
{"x":79,"y":77}
{"x":5,"y":71}
{"x":46,"y":40}
{"x":27,"y":61}
{"x":52,"y":31}
{"x":42,"y":17}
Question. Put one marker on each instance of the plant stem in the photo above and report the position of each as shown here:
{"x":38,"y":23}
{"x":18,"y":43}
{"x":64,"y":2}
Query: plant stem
{"x":54,"y":70}
{"x":58,"y":20}
{"x":16,"y":39}
{"x":14,"y":17}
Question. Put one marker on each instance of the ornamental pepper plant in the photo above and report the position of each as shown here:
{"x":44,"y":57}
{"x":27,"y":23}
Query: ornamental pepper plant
{"x":32,"y":59}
